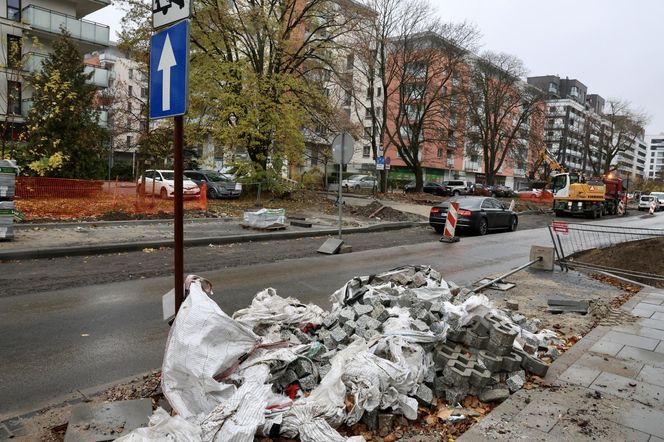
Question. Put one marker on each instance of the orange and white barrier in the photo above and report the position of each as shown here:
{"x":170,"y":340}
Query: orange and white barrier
{"x":621,"y":207}
{"x":450,"y":223}
{"x":512,"y":205}
{"x":653,"y":207}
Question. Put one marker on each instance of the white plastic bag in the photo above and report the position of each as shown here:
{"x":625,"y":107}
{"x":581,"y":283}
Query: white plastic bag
{"x":268,"y":308}
{"x":163,"y":427}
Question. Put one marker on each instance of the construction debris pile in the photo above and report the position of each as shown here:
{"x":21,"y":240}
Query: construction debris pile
{"x":392,"y":342}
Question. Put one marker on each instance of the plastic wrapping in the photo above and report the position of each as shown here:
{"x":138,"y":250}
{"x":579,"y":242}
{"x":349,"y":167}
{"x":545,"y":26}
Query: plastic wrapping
{"x":268,"y":308}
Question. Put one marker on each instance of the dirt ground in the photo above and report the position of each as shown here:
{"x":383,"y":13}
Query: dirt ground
{"x":645,"y":256}
{"x":531,"y":292}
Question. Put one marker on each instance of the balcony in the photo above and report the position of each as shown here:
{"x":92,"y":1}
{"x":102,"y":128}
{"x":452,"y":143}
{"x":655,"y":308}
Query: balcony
{"x":51,"y":22}
{"x":107,"y":58}
{"x":100,"y":76}
{"x":471,"y":166}
{"x":520,"y":172}
{"x":450,"y":162}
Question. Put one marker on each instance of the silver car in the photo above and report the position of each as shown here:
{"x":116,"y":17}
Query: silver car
{"x":358,"y":182}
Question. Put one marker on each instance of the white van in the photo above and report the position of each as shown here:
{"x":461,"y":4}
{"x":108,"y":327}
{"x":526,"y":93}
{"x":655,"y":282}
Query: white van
{"x":646,"y":200}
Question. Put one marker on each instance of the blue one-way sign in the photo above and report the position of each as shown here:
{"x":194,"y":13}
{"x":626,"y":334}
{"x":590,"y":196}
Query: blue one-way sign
{"x":169,"y":71}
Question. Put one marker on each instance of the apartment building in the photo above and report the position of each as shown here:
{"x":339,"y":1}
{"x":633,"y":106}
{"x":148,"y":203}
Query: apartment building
{"x":655,"y":157}
{"x":447,"y":151}
{"x":633,"y":161}
{"x":123,"y":102}
{"x":27,"y":31}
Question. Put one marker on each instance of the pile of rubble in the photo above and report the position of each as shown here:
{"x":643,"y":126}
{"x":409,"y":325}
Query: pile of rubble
{"x":392,"y":342}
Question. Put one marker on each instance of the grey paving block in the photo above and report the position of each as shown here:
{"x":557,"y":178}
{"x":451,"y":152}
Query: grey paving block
{"x":652,"y":323}
{"x":330,"y":246}
{"x":649,"y":306}
{"x":624,"y":387}
{"x":660,"y":347}
{"x":645,"y":419}
{"x":645,"y":356}
{"x":658,"y":315}
{"x":610,"y":364}
{"x":578,"y":375}
{"x":652,"y":375}
{"x":656,"y":439}
{"x":632,"y":340}
{"x":642,"y":313}
{"x":541,"y":415}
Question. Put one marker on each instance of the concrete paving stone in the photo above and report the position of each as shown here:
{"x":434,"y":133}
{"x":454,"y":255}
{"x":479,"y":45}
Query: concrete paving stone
{"x":656,"y":439}
{"x":645,"y":356}
{"x":632,"y":435}
{"x":658,"y":315}
{"x":660,"y":347}
{"x":542,"y":415}
{"x":642,"y":392}
{"x":610,"y":364}
{"x":642,"y":331}
{"x":577,"y":375}
{"x":632,"y":340}
{"x":642,"y":313}
{"x":609,"y":348}
{"x":652,"y":323}
{"x":652,"y":299}
{"x":645,"y":419}
{"x":652,"y":375}
{"x":648,"y":306}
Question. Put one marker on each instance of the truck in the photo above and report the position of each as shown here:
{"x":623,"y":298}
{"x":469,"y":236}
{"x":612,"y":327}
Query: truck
{"x":594,"y":197}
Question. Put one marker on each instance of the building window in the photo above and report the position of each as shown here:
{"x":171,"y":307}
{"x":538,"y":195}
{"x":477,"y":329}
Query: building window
{"x":350,"y":61}
{"x":378,"y":91}
{"x":14,"y":10}
{"x":130,"y":91}
{"x":129,"y":106}
{"x":369,"y":92}
{"x":144,"y":92}
{"x":14,"y":51}
{"x":574,"y":91}
{"x":13,"y":97}
{"x":553,"y":88}
{"x":368,"y":131}
{"x":439,"y":152}
{"x":131,"y":74}
{"x":347,"y":98}
{"x":128,"y":141}
{"x":366,"y":151}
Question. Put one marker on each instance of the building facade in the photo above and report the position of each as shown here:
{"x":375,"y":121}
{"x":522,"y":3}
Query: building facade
{"x":28,"y":29}
{"x":655,"y":157}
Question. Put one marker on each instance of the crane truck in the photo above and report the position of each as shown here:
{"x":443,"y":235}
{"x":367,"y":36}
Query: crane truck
{"x":574,"y":195}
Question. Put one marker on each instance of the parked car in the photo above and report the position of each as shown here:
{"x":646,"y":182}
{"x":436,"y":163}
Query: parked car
{"x":357,"y":182}
{"x":429,"y":187}
{"x":482,"y":190}
{"x":501,"y":191}
{"x":161,"y":182}
{"x":646,"y":200}
{"x":218,"y":184}
{"x":476,"y":213}
{"x":458,"y":187}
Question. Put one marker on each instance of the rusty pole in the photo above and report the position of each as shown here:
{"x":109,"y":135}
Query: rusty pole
{"x":179,"y":212}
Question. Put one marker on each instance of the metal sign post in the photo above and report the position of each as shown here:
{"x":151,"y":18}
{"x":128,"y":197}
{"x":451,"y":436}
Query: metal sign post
{"x":168,"y":97}
{"x":342,"y":152}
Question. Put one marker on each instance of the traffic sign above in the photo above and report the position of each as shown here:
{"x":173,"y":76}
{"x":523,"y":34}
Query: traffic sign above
{"x":343,"y":147}
{"x":169,"y":71}
{"x":165,"y":12}
{"x":380,"y":163}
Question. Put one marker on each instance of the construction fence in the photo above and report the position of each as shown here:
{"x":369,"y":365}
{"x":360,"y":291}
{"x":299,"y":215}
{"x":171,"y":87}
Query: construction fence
{"x":60,"y":198}
{"x":571,"y":239}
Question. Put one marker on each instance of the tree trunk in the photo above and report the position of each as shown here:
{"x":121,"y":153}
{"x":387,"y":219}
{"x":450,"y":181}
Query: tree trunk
{"x":419,"y":179}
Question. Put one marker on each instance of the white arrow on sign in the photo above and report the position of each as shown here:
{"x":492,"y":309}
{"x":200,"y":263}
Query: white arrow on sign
{"x":166,"y":63}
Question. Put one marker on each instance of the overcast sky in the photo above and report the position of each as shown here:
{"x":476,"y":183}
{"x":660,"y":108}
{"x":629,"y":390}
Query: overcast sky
{"x":614,"y":47}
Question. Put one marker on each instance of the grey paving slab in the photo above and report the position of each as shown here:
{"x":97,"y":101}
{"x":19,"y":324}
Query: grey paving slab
{"x":628,"y":388}
{"x":648,"y":306}
{"x":637,"y":329}
{"x":656,"y":439}
{"x":652,"y":323}
{"x":632,"y":435}
{"x":652,"y":299}
{"x":610,"y":364}
{"x":644,"y":419}
{"x":660,"y":347}
{"x":577,"y":375}
{"x":652,"y":375}
{"x":643,"y":313}
{"x":632,"y":340}
{"x":609,"y":348}
{"x":645,"y":356}
{"x":658,"y":315}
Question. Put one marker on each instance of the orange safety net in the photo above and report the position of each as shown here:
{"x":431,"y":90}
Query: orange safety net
{"x":60,"y":198}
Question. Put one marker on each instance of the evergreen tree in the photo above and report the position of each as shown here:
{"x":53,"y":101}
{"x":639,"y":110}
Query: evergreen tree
{"x":63,"y":136}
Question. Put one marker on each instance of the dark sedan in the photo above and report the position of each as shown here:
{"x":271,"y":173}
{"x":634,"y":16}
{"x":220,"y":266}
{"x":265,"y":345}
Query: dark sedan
{"x":429,"y":187}
{"x":218,"y":184}
{"x":476,"y":213}
{"x":502,"y":191}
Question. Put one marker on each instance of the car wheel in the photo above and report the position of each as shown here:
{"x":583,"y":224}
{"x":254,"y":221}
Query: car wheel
{"x":483,"y":227}
{"x":560,"y":213}
{"x":514,"y":224}
{"x":440,"y":230}
{"x":163,"y":193}
{"x":493,"y":194}
{"x":456,"y":193}
{"x":212,"y":194}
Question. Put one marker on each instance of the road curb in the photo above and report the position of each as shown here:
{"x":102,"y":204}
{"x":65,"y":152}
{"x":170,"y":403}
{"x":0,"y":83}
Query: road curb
{"x":99,"y":249}
{"x":137,"y":222}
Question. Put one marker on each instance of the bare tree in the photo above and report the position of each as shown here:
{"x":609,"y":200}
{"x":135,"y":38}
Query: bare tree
{"x":617,"y":133}
{"x":500,"y":109}
{"x":10,"y":97}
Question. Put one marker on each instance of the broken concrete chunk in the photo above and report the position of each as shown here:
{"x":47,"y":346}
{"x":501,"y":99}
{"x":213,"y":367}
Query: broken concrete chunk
{"x":419,"y":279}
{"x":512,"y":305}
{"x":338,"y":335}
{"x":308,"y":383}
{"x":380,"y":313}
{"x":495,"y":395}
{"x":346,"y":314}
{"x":516,"y":381}
{"x":420,"y":325}
{"x":362,"y":309}
{"x":424,"y":395}
{"x":553,"y":353}
{"x":330,"y":320}
{"x":385,"y":422}
{"x":367,"y":322}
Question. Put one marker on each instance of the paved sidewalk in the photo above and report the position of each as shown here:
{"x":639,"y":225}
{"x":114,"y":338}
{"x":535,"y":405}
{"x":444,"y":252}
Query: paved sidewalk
{"x":609,"y":386}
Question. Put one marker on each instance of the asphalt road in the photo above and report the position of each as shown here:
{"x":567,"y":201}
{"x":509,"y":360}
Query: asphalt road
{"x":55,"y":342}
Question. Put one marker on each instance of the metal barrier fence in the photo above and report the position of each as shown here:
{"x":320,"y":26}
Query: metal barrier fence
{"x":569,"y":239}
{"x":58,"y":198}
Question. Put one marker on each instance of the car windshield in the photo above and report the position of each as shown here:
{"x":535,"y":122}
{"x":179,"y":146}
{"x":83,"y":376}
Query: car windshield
{"x":169,"y":175}
{"x":468,"y":203}
{"x":354,"y":177}
{"x":646,"y":198}
{"x":216,"y":177}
